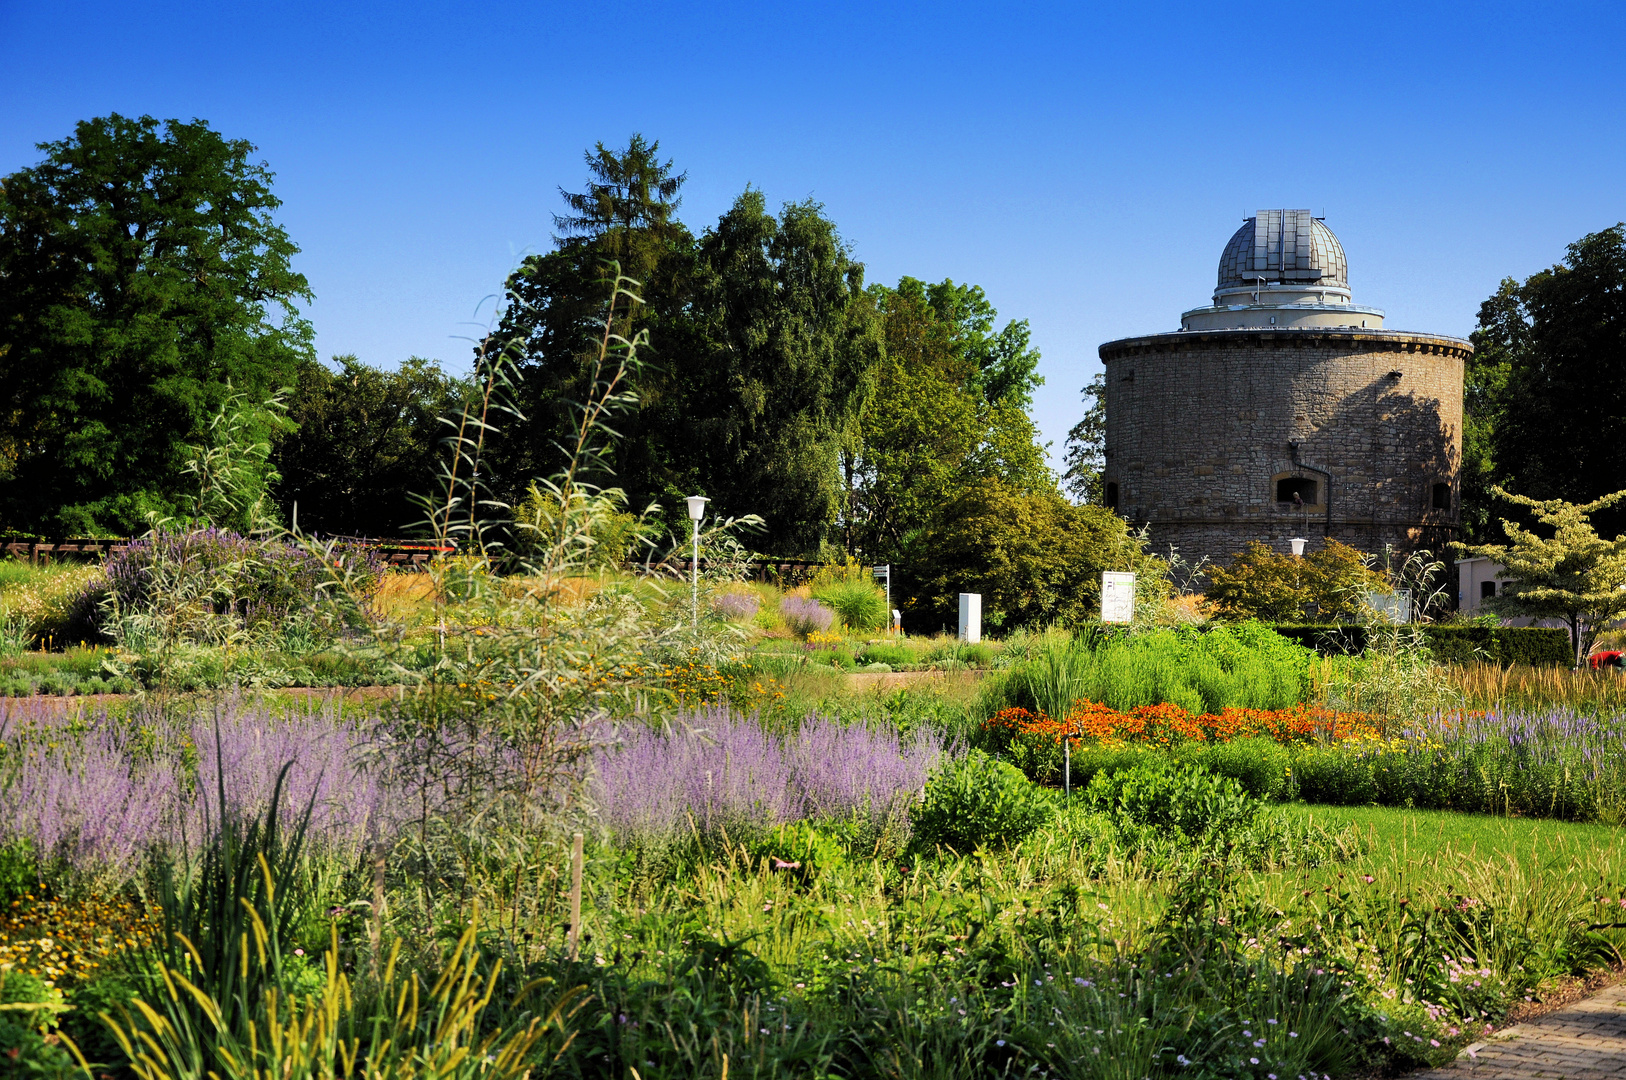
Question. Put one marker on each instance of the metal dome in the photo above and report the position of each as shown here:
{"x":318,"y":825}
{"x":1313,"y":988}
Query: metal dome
{"x":1283,"y":246}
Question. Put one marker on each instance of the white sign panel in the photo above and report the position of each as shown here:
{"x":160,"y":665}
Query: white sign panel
{"x":971,"y":617}
{"x":1117,"y":597}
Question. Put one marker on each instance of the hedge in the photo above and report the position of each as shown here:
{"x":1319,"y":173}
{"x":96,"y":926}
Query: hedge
{"x":1534,"y":645}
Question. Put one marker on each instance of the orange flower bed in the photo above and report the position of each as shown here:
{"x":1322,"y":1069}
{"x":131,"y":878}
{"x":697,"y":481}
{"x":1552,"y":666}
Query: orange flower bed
{"x":1165,"y":725}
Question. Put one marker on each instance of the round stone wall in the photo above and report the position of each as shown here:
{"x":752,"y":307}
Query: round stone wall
{"x":1210,"y":433}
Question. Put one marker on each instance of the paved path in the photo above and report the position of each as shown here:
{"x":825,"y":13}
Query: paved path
{"x":1583,"y":1041}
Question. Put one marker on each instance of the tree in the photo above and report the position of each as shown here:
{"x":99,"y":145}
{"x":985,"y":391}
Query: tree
{"x":366,"y":441}
{"x":1087,"y":445}
{"x":145,"y":281}
{"x":1034,"y":557}
{"x":554,"y":310}
{"x":776,"y":346}
{"x":1261,"y":583}
{"x":1574,"y":574}
{"x":930,"y":426}
{"x":1545,"y":399}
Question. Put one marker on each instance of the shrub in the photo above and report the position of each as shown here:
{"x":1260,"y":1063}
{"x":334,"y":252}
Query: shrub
{"x":892,"y":655}
{"x":1264,"y":584}
{"x":737,"y":606}
{"x":860,"y":604}
{"x":31,"y":1008}
{"x":1448,"y":643}
{"x":805,"y":616}
{"x":977,"y":801}
{"x":1263,"y":767}
{"x":1190,"y":800}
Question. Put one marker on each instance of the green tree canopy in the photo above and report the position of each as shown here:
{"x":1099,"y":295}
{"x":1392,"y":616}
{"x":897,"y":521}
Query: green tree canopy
{"x":1545,"y":398}
{"x":145,"y":281}
{"x":930,"y":427}
{"x":1034,"y":557}
{"x":1574,"y":574}
{"x":366,"y":441}
{"x":1087,"y":445}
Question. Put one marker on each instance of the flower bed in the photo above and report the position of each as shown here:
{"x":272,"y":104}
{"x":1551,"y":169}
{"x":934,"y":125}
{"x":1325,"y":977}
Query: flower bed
{"x":1167,"y":725}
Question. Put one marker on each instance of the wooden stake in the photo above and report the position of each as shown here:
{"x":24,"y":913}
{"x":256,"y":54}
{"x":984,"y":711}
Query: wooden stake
{"x":375,"y":932}
{"x":575,"y":895}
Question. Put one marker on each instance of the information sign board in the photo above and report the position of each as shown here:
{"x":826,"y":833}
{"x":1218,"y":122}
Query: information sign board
{"x":1117,"y":597}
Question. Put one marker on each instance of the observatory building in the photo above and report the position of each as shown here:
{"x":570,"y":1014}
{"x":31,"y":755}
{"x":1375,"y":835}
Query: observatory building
{"x":1284,"y":409}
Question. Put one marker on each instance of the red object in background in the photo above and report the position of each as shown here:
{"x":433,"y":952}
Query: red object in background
{"x":1613,"y":658}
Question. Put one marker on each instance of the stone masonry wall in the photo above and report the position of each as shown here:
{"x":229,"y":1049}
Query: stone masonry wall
{"x":1200,"y":426}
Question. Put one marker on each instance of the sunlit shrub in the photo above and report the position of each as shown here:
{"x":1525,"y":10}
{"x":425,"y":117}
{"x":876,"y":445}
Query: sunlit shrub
{"x":977,"y":801}
{"x":805,"y":616}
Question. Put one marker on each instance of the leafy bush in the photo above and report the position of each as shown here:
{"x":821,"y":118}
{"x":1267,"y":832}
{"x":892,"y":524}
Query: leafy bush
{"x":805,"y":616}
{"x":1192,"y":801}
{"x":1264,"y":767}
{"x":1261,"y":583}
{"x":860,"y":604}
{"x":892,"y":655}
{"x":978,"y":801}
{"x":211,"y":587}
{"x":1448,"y":643}
{"x":31,"y":1009}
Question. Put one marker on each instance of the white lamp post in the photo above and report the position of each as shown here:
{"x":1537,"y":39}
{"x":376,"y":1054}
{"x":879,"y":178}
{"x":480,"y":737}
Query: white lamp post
{"x":697,"y":510}
{"x":1298,"y":547}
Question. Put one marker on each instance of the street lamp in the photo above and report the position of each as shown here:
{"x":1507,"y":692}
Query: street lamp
{"x":697,"y":510}
{"x":1298,"y":547}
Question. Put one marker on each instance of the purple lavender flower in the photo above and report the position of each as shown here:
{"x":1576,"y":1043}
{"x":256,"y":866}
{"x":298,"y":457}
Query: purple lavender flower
{"x":805,"y":616}
{"x":712,"y":771}
{"x":737,"y":605}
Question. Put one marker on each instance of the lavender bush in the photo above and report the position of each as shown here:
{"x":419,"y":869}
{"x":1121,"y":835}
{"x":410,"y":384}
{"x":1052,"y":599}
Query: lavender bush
{"x":737,"y":605}
{"x":100,"y":799}
{"x":805,"y":616}
{"x":724,"y":773}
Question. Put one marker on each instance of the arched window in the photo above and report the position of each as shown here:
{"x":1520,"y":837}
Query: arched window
{"x":1112,"y":495}
{"x":1303,"y":487}
{"x":1442,"y":496}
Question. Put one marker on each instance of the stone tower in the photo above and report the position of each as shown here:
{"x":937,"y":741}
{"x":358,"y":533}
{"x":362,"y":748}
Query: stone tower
{"x":1283,"y":409}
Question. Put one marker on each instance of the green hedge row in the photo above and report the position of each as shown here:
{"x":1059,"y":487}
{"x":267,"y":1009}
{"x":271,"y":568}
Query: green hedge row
{"x":1535,"y":645}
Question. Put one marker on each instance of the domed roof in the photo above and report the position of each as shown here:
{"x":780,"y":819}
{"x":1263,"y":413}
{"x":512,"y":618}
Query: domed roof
{"x":1287,"y":246}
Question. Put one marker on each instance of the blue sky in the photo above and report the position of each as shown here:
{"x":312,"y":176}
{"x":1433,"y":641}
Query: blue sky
{"x":1085,"y":164}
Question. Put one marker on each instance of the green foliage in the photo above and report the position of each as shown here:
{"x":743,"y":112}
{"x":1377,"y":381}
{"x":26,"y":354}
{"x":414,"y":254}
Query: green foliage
{"x":767,"y":312}
{"x":976,"y":801}
{"x":801,"y":849}
{"x":1565,"y":571}
{"x":365,"y":440}
{"x":894,"y":656}
{"x":19,"y":870}
{"x":1264,"y":584}
{"x":1262,"y":767}
{"x":1190,"y":800}
{"x":859,"y":605}
{"x":1034,"y":557}
{"x":30,"y":1014}
{"x":1086,"y":446}
{"x":1448,"y":643}
{"x":1546,"y":410}
{"x":146,"y":283}
{"x":1246,"y":666}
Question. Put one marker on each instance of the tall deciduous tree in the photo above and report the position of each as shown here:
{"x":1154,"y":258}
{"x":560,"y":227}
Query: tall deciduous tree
{"x":144,"y":281}
{"x":366,"y":441}
{"x":1574,"y":575}
{"x":948,"y":410}
{"x":1546,"y":401}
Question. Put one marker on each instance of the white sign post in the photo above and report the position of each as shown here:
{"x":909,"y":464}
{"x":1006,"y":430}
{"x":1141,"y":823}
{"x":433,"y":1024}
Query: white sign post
{"x":1117,"y":597}
{"x":1394,"y":607}
{"x":971,"y":617}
